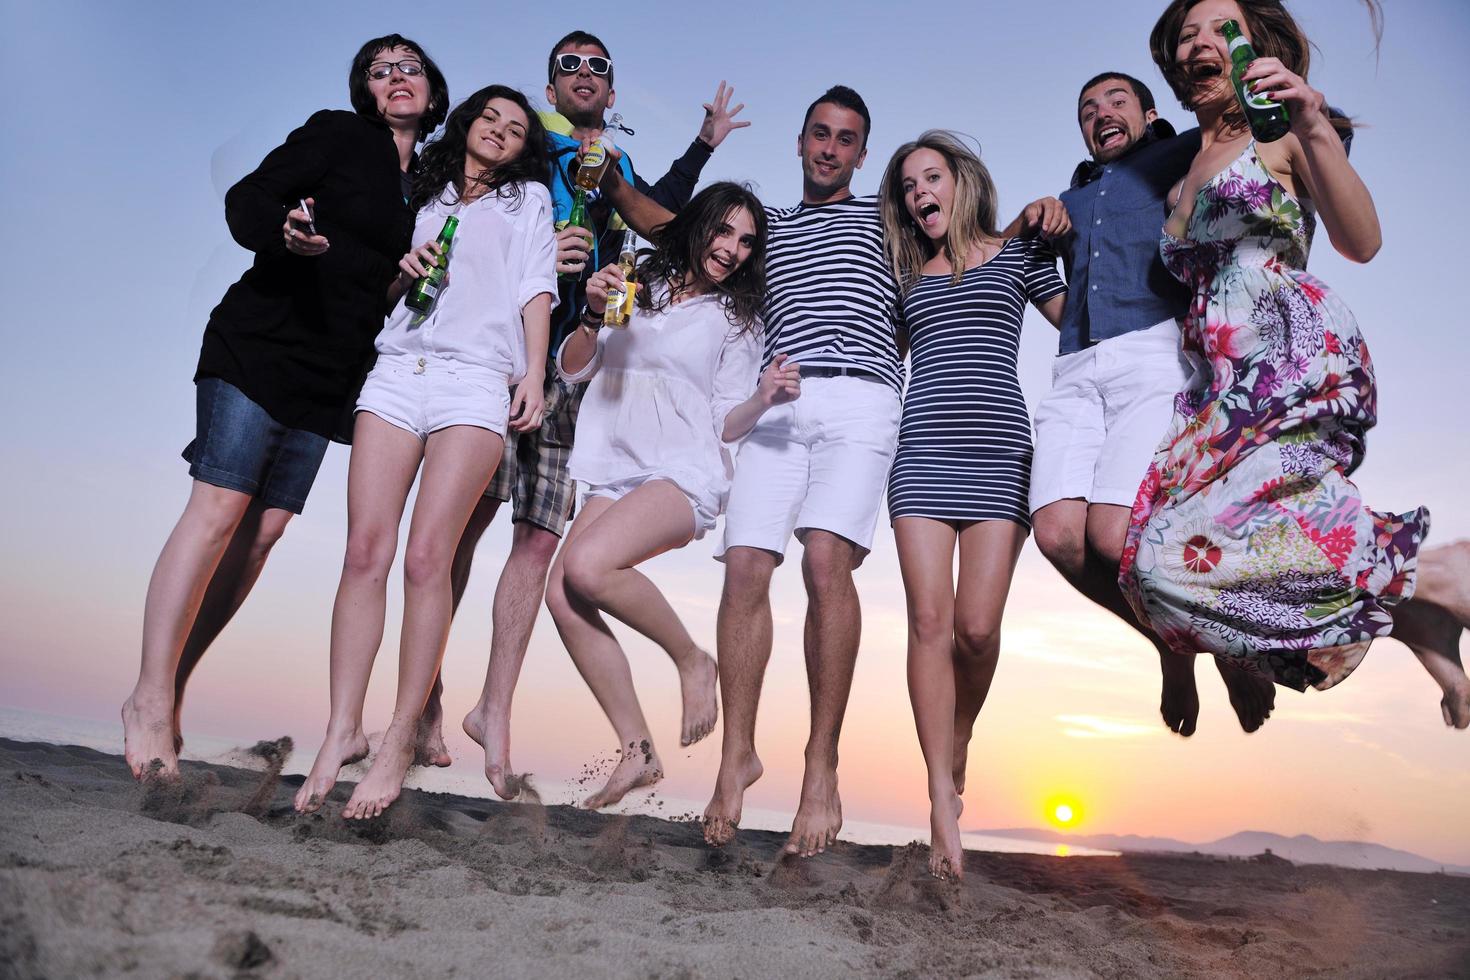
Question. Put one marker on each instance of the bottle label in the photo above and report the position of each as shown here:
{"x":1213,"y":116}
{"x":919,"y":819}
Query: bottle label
{"x":429,"y":288}
{"x":1258,"y":100}
{"x":596,"y":154}
{"x":1239,"y":42}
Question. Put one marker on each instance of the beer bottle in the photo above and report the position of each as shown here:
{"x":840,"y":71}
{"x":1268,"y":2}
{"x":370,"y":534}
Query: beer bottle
{"x":425,"y":290}
{"x":578,"y":218}
{"x":1268,"y":119}
{"x":620,"y":301}
{"x":594,"y":163}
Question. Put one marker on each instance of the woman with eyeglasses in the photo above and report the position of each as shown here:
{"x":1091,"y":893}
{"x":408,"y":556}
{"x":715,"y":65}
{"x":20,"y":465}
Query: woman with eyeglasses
{"x":667,"y":395}
{"x":436,"y":408}
{"x":282,"y":357}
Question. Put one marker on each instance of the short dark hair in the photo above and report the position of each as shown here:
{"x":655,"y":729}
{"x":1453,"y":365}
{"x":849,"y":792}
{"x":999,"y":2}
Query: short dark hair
{"x":577,"y":39}
{"x":841,"y":95}
{"x":362,"y":96}
{"x":1140,"y":90}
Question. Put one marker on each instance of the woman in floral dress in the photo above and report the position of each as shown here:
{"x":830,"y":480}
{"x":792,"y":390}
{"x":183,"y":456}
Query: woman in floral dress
{"x":1248,"y":539}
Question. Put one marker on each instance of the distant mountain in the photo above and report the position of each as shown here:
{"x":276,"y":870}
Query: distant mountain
{"x":1301,"y":849}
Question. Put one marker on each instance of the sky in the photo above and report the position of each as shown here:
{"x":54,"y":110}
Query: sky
{"x":129,"y":122}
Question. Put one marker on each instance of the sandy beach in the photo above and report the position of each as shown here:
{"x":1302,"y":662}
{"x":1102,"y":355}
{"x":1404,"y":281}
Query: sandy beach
{"x":216,"y":876}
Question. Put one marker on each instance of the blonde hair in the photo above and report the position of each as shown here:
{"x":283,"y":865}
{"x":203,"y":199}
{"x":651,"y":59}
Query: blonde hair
{"x":972,"y":219}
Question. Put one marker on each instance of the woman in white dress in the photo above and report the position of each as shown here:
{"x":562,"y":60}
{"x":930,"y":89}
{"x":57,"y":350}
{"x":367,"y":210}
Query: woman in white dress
{"x":666,"y":395}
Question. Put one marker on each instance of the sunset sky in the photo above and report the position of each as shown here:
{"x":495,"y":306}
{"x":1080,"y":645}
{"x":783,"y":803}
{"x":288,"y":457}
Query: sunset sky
{"x":129,"y":121}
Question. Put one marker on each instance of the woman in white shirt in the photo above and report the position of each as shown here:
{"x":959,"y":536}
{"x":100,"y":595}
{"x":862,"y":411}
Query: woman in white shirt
{"x":668,"y":393}
{"x":439,"y":398}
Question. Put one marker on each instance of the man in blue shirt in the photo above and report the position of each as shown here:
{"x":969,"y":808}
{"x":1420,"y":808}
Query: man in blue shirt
{"x":1118,"y":366}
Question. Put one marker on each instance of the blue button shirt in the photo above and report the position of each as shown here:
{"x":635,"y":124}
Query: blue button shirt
{"x":1116,"y":282}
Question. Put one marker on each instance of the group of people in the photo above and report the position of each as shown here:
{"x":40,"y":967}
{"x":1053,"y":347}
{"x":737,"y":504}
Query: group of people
{"x":1189,"y":469}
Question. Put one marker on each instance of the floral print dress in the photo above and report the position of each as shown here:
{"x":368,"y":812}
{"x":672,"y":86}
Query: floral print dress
{"x":1247,"y":538}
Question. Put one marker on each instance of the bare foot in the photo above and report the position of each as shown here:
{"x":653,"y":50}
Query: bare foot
{"x":722,"y":816}
{"x":1251,"y":695}
{"x":946,"y":853}
{"x":384,"y":781}
{"x":819,"y":815}
{"x":148,"y":739}
{"x":1433,"y":634}
{"x":429,"y":748}
{"x":491,"y":732}
{"x":338,"y":750}
{"x":697,"y":676}
{"x":639,"y":766}
{"x":1179,"y":700}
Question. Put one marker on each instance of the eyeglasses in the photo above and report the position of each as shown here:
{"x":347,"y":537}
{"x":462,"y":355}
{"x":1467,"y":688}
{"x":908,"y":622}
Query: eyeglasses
{"x":570,"y":64}
{"x":382,"y":69}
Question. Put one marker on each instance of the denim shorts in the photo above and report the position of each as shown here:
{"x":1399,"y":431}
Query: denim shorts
{"x":238,"y":446}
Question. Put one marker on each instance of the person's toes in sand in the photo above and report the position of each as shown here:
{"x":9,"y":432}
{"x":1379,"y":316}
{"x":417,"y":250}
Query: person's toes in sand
{"x":1251,"y":695}
{"x":818,"y":816}
{"x":1179,"y":699}
{"x":338,"y":749}
{"x":946,"y":853}
{"x":148,"y":738}
{"x":697,"y":676}
{"x":491,"y":731}
{"x":639,"y":766}
{"x":384,"y":781}
{"x":722,"y":816}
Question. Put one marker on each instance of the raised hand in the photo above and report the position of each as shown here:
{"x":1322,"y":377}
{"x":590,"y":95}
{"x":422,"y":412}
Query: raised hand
{"x":1306,"y":106}
{"x":719,"y":118}
{"x":1048,"y":216}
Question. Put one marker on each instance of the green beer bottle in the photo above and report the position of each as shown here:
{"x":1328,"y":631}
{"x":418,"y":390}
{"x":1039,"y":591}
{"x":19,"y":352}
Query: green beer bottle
{"x":579,"y":218}
{"x":425,"y":290}
{"x":1268,"y":119}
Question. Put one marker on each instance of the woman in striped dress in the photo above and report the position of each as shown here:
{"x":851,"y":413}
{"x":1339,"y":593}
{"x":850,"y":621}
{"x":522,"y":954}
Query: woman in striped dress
{"x":964,"y":447}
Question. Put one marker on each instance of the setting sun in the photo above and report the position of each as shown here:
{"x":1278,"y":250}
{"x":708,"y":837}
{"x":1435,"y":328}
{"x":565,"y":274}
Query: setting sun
{"x":1063,"y":812}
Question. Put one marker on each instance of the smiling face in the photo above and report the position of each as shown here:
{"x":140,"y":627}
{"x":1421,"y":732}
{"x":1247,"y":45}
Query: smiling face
{"x":400,"y":98}
{"x":731,"y":245}
{"x":1112,"y":119}
{"x":928,"y":187}
{"x":831,"y":148}
{"x":496,"y":137}
{"x":581,"y":96}
{"x":1203,"y":54}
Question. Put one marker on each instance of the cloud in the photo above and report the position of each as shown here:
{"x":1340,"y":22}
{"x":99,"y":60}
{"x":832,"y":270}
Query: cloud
{"x":1093,"y":726}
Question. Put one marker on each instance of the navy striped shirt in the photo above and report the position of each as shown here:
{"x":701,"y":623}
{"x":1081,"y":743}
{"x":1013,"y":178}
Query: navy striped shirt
{"x":831,"y":300}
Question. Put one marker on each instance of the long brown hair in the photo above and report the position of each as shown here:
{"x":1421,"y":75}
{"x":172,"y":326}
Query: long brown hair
{"x":1273,"y":32}
{"x":971,"y":221}
{"x":678,"y":257}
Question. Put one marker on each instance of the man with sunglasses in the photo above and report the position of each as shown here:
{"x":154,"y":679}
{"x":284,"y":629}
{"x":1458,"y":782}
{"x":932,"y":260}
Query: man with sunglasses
{"x":533,"y":473}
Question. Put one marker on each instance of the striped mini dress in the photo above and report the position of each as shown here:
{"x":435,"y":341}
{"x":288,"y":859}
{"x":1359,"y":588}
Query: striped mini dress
{"x":964,"y":442}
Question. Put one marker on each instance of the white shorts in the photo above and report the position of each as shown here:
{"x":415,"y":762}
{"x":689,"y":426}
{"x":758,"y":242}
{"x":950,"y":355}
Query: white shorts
{"x":426,"y":394}
{"x":1101,"y":423}
{"x":820,"y":462}
{"x":705,"y":510}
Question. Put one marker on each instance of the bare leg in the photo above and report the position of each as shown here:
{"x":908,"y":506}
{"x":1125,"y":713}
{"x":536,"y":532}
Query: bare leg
{"x":600,"y":660}
{"x":744,"y":630}
{"x":833,"y":630}
{"x":517,"y":600}
{"x":379,"y":473}
{"x":1063,"y":530}
{"x":234,"y":577}
{"x":180,"y":578}
{"x":1434,"y":636}
{"x":458,"y":463}
{"x":926,"y":558}
{"x":649,"y":521}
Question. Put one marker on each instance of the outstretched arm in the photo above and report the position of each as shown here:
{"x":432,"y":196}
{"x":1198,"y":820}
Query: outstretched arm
{"x":642,"y":213}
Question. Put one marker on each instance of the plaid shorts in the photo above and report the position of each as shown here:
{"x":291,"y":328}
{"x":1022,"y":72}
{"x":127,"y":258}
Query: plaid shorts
{"x":533,"y":472}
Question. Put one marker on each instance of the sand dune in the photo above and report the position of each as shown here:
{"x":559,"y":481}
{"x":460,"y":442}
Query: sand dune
{"x":215,"y":876}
